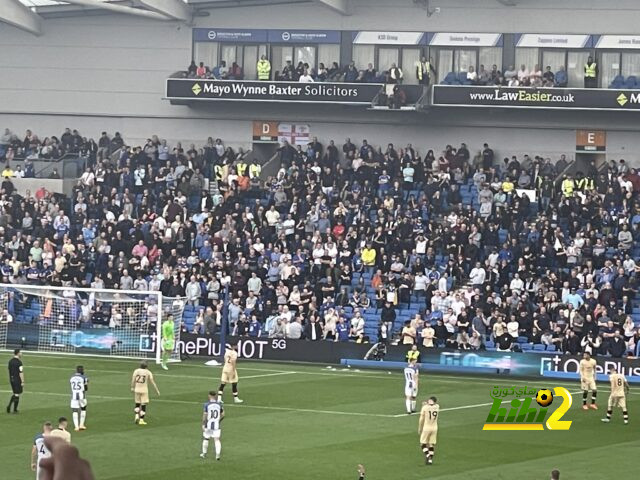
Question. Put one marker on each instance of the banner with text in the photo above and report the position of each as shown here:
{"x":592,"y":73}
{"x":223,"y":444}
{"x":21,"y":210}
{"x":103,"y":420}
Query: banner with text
{"x":523,"y":97}
{"x":349,"y":93}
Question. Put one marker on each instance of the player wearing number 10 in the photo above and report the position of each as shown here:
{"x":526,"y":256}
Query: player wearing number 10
{"x":140,"y":387}
{"x":211,"y":423}
{"x":168,"y":340}
{"x":428,"y":428}
{"x":79,"y":386}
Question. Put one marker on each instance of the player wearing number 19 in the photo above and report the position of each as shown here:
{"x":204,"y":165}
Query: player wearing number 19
{"x":168,"y":340}
{"x":79,"y":386}
{"x":428,"y":428}
{"x":211,"y":425}
{"x":140,"y":387}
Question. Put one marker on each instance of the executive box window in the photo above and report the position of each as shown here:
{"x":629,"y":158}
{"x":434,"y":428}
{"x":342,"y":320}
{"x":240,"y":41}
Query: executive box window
{"x":572,"y":60}
{"x":460,"y":59}
{"x":247,"y":56}
{"x":383,"y":56}
{"x":313,"y":55}
{"x":612,"y":64}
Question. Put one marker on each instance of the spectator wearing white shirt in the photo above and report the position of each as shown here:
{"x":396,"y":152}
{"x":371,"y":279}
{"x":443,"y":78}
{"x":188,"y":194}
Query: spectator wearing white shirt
{"x":472,"y":75}
{"x":513,"y":326}
{"x":516,"y":284}
{"x":306,"y":78}
{"x":523,"y":75}
{"x":477,"y":275}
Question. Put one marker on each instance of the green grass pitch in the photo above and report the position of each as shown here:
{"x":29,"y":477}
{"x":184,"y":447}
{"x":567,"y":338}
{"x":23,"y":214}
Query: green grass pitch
{"x":305,"y":422}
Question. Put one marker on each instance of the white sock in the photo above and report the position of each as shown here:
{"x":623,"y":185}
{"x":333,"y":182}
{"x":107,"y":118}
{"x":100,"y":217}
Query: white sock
{"x":83,"y":416}
{"x":205,"y":446}
{"x":218,"y":446}
{"x":75,"y":419}
{"x":413,"y":405}
{"x":408,"y":405}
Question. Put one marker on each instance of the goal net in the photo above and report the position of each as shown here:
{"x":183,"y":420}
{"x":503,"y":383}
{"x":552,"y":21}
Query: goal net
{"x":123,"y":323}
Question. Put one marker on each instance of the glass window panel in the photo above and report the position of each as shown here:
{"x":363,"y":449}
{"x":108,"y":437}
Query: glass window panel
{"x":228,"y":54}
{"x":250,"y":62}
{"x":445,"y":63}
{"x":527,"y":57}
{"x":575,"y":68}
{"x":279,"y":57}
{"x":328,"y":53}
{"x":206,"y":52}
{"x":363,"y":55}
{"x":490,"y":56}
{"x":609,"y":68}
{"x":631,"y":64}
{"x":553,"y":59}
{"x":307,"y":55}
{"x":386,"y":57}
{"x":410,"y":58}
{"x":463,"y":59}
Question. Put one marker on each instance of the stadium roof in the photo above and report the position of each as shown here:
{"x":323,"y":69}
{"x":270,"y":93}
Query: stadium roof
{"x":28,"y":14}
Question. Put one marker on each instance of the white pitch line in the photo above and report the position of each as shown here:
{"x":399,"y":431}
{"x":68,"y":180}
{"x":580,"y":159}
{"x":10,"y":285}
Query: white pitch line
{"x":244,"y":405}
{"x":162,"y":374}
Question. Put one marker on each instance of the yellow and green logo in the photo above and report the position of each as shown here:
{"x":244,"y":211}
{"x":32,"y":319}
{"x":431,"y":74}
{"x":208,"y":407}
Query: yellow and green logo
{"x":196,"y":89}
{"x":521,"y":413}
{"x":622,"y":99}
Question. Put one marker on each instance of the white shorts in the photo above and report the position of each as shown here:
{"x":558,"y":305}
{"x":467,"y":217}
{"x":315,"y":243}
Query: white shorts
{"x":215,"y":434}
{"x":410,"y":391}
{"x":75,"y":404}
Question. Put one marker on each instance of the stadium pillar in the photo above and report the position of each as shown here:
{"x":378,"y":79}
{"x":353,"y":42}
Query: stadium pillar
{"x":16,"y":14}
{"x":224,"y":324}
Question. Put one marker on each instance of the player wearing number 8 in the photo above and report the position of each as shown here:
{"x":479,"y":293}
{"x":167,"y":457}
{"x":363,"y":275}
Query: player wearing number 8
{"x":428,"y":428}
{"x":211,"y":425}
{"x":79,"y":385}
{"x":619,"y":389}
{"x":140,"y":387}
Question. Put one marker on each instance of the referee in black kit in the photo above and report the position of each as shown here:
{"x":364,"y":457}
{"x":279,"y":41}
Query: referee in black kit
{"x":16,"y":378}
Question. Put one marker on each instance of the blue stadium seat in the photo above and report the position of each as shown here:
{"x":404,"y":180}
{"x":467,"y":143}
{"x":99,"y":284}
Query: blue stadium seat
{"x":538,"y":347}
{"x":450,"y":79}
{"x":631,"y":82}
{"x":617,"y":82}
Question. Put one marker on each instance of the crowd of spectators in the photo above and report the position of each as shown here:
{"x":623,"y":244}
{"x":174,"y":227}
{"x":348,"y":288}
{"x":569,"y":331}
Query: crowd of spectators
{"x":32,"y":147}
{"x":302,"y":72}
{"x":511,"y":77}
{"x":346,"y":236}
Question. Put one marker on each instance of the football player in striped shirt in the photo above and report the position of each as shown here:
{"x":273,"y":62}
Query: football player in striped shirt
{"x":79,"y":385}
{"x":40,"y":450}
{"x":211,"y":421}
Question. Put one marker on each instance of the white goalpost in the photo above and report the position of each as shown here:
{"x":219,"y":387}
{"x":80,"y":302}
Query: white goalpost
{"x":87,"y":321}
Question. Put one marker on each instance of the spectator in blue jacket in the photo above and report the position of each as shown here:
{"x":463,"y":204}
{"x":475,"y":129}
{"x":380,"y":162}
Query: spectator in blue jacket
{"x":561,"y":77}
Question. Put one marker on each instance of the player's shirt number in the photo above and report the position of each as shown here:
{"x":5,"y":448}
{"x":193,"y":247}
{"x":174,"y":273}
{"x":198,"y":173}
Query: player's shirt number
{"x":619,"y":382}
{"x":141,"y":379}
{"x":77,"y":386}
{"x":42,"y":450}
{"x":433,"y":415}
